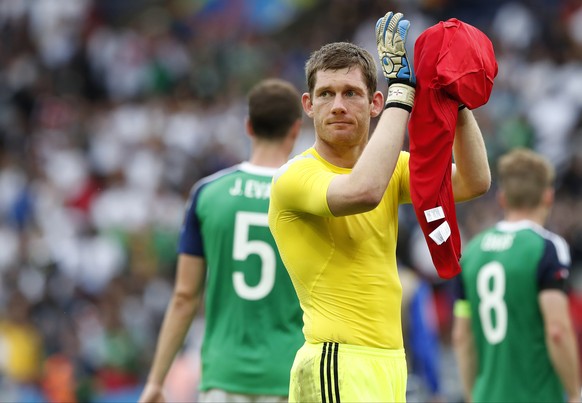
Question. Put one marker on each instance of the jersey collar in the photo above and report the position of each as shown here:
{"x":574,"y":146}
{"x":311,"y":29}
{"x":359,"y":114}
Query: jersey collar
{"x":257,"y":169}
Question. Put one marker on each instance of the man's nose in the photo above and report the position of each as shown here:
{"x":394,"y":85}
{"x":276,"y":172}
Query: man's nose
{"x":338,"y":104}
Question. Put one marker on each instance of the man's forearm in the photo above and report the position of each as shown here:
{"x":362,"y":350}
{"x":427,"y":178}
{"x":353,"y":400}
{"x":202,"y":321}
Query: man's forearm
{"x":563,"y":351}
{"x":464,"y":349}
{"x":472,"y":176}
{"x":380,"y":155}
{"x":364,"y":187}
{"x":174,"y":328}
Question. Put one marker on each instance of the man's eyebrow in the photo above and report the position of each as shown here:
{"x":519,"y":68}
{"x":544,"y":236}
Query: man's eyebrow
{"x":321,"y":89}
{"x":345,"y":87}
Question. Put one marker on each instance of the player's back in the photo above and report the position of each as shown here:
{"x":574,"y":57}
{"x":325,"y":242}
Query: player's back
{"x":253,"y":317}
{"x":501,"y":277}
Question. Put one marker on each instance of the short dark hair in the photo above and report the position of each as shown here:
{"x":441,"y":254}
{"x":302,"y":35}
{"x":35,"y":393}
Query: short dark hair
{"x":341,"y":55}
{"x":274,"y":106}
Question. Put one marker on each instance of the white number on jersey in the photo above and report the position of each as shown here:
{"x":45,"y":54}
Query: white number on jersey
{"x":243,"y":247}
{"x":491,"y":301}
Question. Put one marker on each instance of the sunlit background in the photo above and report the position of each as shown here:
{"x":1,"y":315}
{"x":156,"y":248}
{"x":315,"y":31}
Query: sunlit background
{"x":110,"y":110}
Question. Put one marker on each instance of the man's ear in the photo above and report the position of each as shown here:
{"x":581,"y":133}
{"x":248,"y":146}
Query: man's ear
{"x":249,"y":128}
{"x":307,"y":104}
{"x":548,"y":197}
{"x":377,"y":104}
{"x":296,"y":129}
{"x":501,"y":199}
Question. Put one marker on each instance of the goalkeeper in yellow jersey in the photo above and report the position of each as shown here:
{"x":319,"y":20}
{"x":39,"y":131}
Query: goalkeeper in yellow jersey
{"x":334,"y":210}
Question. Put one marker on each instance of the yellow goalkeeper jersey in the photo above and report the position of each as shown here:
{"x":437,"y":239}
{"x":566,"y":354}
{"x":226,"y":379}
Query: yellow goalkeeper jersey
{"x":343,"y":268}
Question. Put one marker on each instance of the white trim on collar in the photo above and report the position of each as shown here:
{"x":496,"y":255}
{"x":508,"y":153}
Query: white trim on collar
{"x":512,"y":226}
{"x":257,"y":169}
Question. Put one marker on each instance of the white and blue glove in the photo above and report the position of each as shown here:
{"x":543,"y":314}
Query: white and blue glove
{"x":391,"y":33}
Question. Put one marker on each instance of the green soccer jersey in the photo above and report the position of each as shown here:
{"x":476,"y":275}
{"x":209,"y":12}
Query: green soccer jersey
{"x":503,"y":270}
{"x":253,"y":317}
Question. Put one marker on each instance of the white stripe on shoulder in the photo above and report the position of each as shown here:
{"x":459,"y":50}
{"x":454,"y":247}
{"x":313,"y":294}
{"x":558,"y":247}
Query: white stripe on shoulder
{"x":286,"y":166}
{"x":560,"y":244}
{"x":216,"y":175}
{"x":208,"y":179}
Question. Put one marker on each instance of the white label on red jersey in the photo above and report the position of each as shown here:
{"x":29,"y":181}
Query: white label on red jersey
{"x":441,"y":233}
{"x":434,"y":214}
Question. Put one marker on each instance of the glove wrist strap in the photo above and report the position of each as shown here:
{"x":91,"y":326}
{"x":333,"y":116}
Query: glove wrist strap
{"x":400,"y":95}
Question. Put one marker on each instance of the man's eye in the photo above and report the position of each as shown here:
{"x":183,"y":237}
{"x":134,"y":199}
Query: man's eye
{"x":351,"y":94}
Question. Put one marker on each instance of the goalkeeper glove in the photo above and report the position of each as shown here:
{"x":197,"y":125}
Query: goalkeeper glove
{"x":391,"y":33}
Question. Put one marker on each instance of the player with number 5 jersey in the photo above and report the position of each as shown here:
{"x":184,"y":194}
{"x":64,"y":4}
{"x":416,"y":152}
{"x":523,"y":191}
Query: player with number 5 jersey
{"x":253,"y":319}
{"x":226,"y":253}
{"x":513,"y":335}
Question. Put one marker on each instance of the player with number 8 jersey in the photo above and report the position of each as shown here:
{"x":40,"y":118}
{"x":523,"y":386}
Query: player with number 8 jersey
{"x":504,"y":269}
{"x":512,"y":333}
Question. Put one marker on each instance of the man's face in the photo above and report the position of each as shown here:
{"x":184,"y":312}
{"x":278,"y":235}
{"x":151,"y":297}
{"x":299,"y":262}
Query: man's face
{"x":340,"y":107}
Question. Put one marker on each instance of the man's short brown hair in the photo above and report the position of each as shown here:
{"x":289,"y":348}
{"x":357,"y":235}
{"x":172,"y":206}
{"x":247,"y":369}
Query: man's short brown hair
{"x":274,"y":106}
{"x":341,"y":55}
{"x":524,"y":176}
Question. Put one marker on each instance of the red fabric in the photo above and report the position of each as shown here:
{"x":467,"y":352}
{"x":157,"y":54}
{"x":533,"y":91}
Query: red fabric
{"x":454,"y":63}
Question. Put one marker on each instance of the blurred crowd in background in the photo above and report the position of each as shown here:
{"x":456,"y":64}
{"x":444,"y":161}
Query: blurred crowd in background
{"x":111,"y":110}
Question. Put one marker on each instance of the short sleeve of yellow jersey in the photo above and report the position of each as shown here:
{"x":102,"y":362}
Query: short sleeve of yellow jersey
{"x":301,"y":185}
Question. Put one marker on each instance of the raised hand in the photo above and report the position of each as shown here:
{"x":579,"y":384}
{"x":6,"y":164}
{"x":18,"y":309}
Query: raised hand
{"x":391,"y":33}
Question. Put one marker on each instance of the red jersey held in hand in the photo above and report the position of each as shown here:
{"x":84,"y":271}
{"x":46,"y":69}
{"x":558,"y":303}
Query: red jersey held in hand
{"x":454,"y":64}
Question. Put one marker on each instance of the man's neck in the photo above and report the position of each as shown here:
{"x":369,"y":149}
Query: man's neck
{"x":269,"y":155}
{"x":537,"y":215}
{"x":341,"y":156}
